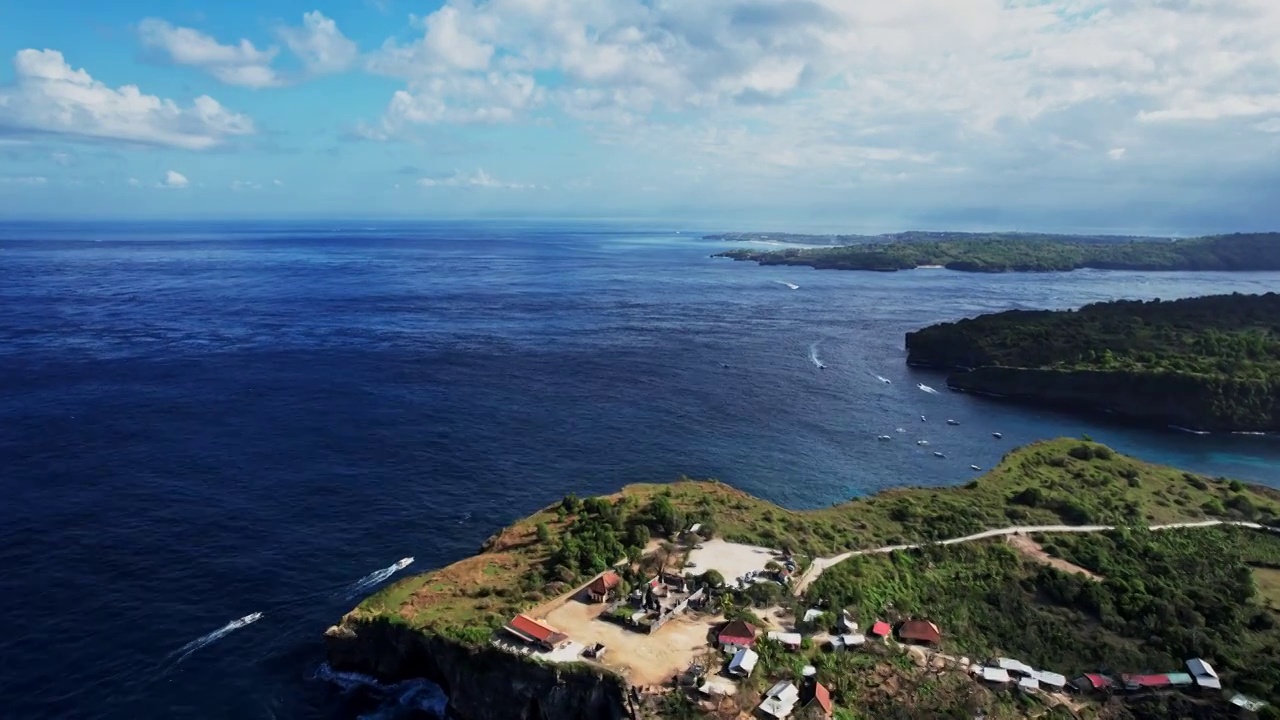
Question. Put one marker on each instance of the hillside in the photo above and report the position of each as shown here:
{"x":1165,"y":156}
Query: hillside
{"x":1019,"y":253}
{"x":1209,"y":363}
{"x":439,"y":624}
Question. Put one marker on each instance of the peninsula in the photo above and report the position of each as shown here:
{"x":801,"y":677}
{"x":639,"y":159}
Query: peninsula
{"x":1010,"y":597}
{"x":1030,"y":253}
{"x":1208,"y":363}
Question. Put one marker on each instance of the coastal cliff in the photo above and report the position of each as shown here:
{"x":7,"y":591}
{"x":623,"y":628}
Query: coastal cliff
{"x":1205,"y":363}
{"x":482,"y":683}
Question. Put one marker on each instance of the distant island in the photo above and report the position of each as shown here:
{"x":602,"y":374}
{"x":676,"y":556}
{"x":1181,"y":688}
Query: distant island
{"x":1020,"y":252}
{"x":1208,"y":363}
{"x":694,"y":599}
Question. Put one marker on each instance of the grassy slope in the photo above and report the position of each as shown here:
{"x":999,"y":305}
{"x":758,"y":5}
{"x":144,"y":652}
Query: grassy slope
{"x":472,"y":596}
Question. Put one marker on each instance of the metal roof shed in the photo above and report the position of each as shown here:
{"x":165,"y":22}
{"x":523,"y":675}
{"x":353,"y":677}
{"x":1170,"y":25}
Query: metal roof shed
{"x":995,"y":675}
{"x":1028,"y":683}
{"x":743,"y":662}
{"x":1015,"y":666}
{"x":1052,"y":679}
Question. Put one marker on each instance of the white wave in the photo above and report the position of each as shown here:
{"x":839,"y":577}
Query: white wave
{"x":793,"y":286}
{"x":185,"y":651}
{"x":409,"y":695}
{"x":1247,"y":432}
{"x":926,"y":388}
{"x":1188,"y":430}
{"x":373,"y":578}
{"x":884,"y":379}
{"x":813,"y":356}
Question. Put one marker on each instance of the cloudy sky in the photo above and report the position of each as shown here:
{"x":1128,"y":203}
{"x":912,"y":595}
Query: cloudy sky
{"x":1135,"y":115}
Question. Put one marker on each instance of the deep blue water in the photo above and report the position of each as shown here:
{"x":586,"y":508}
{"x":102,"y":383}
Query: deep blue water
{"x":199,"y":422}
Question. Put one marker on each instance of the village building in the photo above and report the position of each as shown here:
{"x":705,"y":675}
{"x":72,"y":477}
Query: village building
{"x":789,"y":640}
{"x":848,"y":641}
{"x":743,"y":662}
{"x":992,"y":675}
{"x":812,"y":614}
{"x":600,"y":589}
{"x":1090,"y":683}
{"x":1051,"y":680}
{"x":1204,"y":674}
{"x":780,"y":700}
{"x":1015,"y":666}
{"x":737,"y":635}
{"x":1144,"y":682}
{"x":846,"y":623}
{"x":540,"y":635}
{"x":1249,"y":704}
{"x":1028,"y":683}
{"x":920,"y":631}
{"x":816,"y":695}
{"x":881,"y":629}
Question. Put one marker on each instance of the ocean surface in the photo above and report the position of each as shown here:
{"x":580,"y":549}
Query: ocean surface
{"x":199,"y":422}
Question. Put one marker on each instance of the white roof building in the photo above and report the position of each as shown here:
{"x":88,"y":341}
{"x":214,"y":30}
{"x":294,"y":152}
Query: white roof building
{"x":812,"y":614}
{"x":786,"y":638}
{"x":780,"y":700}
{"x":1015,"y":666}
{"x":743,"y":662}
{"x":1052,"y":679}
{"x":994,"y":675}
{"x":1204,"y":674}
{"x":1028,"y":683}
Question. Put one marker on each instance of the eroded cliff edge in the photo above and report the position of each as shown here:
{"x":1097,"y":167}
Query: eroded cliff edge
{"x":482,"y":683}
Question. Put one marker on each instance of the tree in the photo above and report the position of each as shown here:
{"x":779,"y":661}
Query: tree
{"x":713,"y":578}
{"x":544,"y":533}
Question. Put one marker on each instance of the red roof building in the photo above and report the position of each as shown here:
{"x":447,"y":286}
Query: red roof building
{"x":921,"y":631}
{"x":822,"y":698}
{"x":738,"y":633}
{"x":1093,"y":682}
{"x":881,"y":629}
{"x":1134,"y":682}
{"x":536,"y":633}
{"x":599,"y":589}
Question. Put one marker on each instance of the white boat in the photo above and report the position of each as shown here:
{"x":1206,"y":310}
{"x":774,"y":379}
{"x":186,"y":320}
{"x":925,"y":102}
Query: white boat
{"x":922,"y":418}
{"x":901,"y":430}
{"x":883,"y":437}
{"x":996,"y":435}
{"x":922,"y":442}
{"x":938,"y":454}
{"x":953,"y":422}
{"x":974,"y":467}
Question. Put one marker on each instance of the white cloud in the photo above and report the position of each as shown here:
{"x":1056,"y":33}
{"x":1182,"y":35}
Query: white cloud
{"x":277,"y":183}
{"x":24,"y":180}
{"x":479,"y":179}
{"x":1269,"y":126}
{"x":48,"y":96}
{"x":175,"y":180}
{"x":134,"y":182}
{"x":468,"y":99}
{"x":239,"y":185}
{"x":320,"y":45}
{"x":240,"y":64}
{"x":1115,"y":153}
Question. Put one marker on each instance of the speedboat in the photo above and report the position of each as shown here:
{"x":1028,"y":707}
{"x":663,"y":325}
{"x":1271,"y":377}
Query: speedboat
{"x":953,"y":422}
{"x":922,"y":442}
{"x":974,"y":467}
{"x":921,"y":418}
{"x":883,"y":437}
{"x":938,"y":454}
{"x":901,"y":430}
{"x":996,"y":435}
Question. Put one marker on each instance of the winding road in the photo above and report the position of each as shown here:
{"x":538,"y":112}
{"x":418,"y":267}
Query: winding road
{"x":821,"y":564}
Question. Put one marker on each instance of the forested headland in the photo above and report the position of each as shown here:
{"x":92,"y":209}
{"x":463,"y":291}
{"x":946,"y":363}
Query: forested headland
{"x":1032,"y":253}
{"x":1210,"y":363}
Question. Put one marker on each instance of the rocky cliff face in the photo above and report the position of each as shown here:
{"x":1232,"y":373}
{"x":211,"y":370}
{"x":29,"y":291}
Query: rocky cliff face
{"x":1160,"y":399}
{"x":482,"y":683}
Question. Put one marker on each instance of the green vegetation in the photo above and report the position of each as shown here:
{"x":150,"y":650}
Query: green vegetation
{"x":1054,"y":482}
{"x":1210,"y":362}
{"x":1031,"y":253}
{"x":1166,"y":596}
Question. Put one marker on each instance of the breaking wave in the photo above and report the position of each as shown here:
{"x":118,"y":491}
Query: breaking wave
{"x":793,"y":286}
{"x":813,"y":356}
{"x":409,"y":697}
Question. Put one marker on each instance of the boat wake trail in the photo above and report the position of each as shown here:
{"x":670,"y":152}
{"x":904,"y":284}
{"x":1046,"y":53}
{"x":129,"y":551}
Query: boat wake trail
{"x":883,"y":379}
{"x":813,"y":357}
{"x":373,"y":578}
{"x":927,"y":389}
{"x":793,"y":286}
{"x":185,"y":651}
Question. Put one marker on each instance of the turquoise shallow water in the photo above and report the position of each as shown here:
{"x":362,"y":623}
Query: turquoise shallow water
{"x":199,"y":422}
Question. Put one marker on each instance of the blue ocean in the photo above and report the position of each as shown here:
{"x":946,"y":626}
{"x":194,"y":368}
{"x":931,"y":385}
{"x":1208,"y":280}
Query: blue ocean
{"x":201,"y":422}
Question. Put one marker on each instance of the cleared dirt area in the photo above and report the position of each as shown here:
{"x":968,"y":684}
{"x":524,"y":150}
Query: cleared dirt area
{"x":1268,"y":583}
{"x":1032,"y":549}
{"x":643,"y":659}
{"x":733,"y":560}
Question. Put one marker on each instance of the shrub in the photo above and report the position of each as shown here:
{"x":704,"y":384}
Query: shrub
{"x":544,"y":533}
{"x":1081,"y":452}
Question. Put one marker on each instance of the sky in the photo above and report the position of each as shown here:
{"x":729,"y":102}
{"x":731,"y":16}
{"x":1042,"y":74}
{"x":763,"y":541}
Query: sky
{"x":1079,"y":115}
